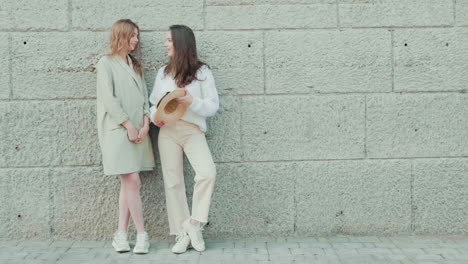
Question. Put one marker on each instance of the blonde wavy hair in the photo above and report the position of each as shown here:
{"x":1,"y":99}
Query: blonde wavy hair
{"x":120,"y":36}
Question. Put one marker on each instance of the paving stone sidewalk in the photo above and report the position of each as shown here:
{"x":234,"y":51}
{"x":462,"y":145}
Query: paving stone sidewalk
{"x":335,"y":249}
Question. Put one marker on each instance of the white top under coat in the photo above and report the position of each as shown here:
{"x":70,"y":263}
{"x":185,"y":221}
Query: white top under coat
{"x":205,"y":96}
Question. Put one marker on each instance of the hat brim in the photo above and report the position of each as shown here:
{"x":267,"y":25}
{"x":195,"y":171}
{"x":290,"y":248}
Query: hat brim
{"x":169,"y":111}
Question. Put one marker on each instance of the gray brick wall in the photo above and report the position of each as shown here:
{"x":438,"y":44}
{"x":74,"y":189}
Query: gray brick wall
{"x":337,"y":116}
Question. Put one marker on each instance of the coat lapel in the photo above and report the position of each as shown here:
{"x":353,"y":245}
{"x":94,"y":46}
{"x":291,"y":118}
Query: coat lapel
{"x":129,"y":69}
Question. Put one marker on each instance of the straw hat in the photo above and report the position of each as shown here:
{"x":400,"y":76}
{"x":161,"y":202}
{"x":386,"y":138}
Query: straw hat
{"x":169,"y":111}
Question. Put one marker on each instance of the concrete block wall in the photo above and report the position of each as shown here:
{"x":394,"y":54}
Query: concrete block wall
{"x":337,"y":116}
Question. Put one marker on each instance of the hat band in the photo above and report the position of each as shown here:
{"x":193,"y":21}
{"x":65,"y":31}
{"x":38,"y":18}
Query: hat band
{"x":162,"y":99}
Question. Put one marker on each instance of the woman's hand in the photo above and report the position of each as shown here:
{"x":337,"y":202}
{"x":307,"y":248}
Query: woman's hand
{"x":159,"y":123}
{"x":132,"y":133}
{"x":185,"y":100}
{"x":142,"y":134}
{"x":143,"y":131}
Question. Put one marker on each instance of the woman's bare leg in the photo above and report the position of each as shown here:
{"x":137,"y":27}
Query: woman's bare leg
{"x":124,"y":212}
{"x":131,"y":186}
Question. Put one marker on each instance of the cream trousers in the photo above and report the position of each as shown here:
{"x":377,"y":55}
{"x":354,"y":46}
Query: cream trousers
{"x":173,"y":141}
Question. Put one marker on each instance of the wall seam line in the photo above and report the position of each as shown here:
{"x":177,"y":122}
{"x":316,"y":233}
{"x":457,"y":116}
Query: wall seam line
{"x":10,"y":67}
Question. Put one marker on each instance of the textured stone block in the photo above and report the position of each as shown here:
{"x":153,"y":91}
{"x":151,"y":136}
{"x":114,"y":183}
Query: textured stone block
{"x":29,"y":203}
{"x":381,"y":13}
{"x":86,"y":204}
{"x":5,"y":206}
{"x":4,"y":66}
{"x":236,"y":60}
{"x":431,"y":59}
{"x":224,"y":134}
{"x":48,"y":133}
{"x":154,"y":54}
{"x":154,"y":204}
{"x":328,"y":61}
{"x":234,"y":57}
{"x":148,"y":14}
{"x":56,"y":65}
{"x":417,"y":125}
{"x":271,"y":16}
{"x":357,"y":197}
{"x":253,"y":199}
{"x":34,"y":15}
{"x":267,"y":2}
{"x":440,"y":196}
{"x":302,"y":127}
{"x":461,"y":8}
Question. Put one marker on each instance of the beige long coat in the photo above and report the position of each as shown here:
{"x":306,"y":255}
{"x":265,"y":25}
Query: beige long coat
{"x":121,"y":96}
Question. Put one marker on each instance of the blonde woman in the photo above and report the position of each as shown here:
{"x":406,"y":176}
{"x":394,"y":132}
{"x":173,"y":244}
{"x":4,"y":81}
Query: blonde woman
{"x":187,"y":136}
{"x":123,"y":125}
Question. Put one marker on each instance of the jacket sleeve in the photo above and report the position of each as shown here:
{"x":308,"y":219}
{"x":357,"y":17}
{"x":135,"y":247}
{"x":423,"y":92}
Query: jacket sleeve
{"x":105,"y":93}
{"x":208,"y":104}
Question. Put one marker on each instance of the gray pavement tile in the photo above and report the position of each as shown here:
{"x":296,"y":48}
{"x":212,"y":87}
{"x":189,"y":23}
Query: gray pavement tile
{"x":315,"y":245}
{"x":307,"y":251}
{"x":338,"y":249}
{"x":34,"y":243}
{"x":279,"y":251}
{"x":216,"y":257}
{"x":9,"y":243}
{"x":219,"y":244}
{"x":61,"y":243}
{"x":463,"y":256}
{"x":374,"y":251}
{"x":428,"y":257}
{"x":288,"y":244}
{"x":88,"y":244}
{"x":347,"y":245}
{"x":241,"y":258}
{"x":364,"y":239}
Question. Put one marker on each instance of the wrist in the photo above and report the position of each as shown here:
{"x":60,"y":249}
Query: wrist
{"x":128,"y":125}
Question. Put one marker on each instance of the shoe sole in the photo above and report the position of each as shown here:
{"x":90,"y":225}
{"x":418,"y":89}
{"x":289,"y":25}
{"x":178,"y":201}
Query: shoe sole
{"x":189,"y":247}
{"x":179,"y":252}
{"x":120,"y":250}
{"x":145,"y":251}
{"x":141,"y":252}
{"x":199,"y":249}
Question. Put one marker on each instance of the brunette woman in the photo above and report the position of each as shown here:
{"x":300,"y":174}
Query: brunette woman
{"x":187,"y":135}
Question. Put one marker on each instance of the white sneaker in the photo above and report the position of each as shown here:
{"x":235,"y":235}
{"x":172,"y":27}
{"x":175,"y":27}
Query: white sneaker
{"x":142,"y":243}
{"x":182,"y":243}
{"x":195,"y":234}
{"x":120,"y":242}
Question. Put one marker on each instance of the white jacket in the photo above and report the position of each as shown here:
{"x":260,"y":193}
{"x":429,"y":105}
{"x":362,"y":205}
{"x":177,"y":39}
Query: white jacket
{"x":205,"y":96}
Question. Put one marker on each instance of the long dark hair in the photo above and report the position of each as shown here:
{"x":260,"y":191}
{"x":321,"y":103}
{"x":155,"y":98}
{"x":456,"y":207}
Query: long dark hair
{"x":184,"y":64}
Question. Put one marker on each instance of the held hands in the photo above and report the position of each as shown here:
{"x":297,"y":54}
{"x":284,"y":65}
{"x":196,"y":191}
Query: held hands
{"x":133,"y":134}
{"x":142,"y":134}
{"x":143,"y":131}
